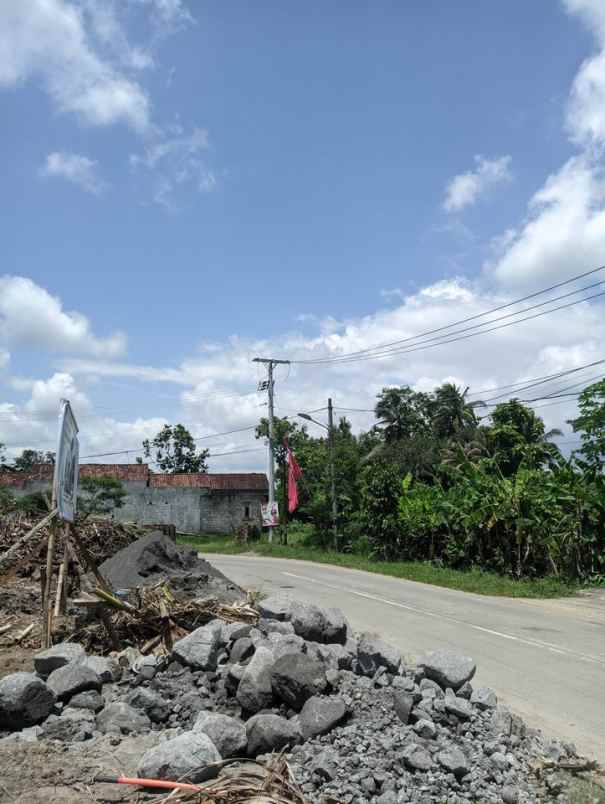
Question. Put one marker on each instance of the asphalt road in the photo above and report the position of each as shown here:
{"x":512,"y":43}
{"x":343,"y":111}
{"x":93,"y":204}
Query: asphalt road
{"x":545,"y":659}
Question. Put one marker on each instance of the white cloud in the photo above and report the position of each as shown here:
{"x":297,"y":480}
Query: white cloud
{"x":564,"y":233}
{"x":46,"y":40}
{"x":75,"y":168}
{"x":169,"y":13}
{"x":97,"y":368}
{"x":216,"y":389}
{"x":176,"y":161}
{"x":110,"y":33}
{"x":46,"y":395}
{"x":4,"y":358}
{"x":466,"y":188}
{"x":30,"y":316}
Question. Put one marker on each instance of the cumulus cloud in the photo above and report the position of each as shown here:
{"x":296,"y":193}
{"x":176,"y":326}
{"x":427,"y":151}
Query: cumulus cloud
{"x":564,"y":230}
{"x":31,"y":316}
{"x":47,"y":41}
{"x":74,"y":168}
{"x":465,"y":189}
{"x":215,"y":390}
{"x":46,"y":395}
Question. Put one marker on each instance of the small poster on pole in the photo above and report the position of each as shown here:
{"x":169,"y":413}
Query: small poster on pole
{"x":269,"y":514}
{"x":65,"y":482}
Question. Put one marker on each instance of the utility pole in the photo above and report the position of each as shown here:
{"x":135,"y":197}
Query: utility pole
{"x":332,"y":473}
{"x":270,"y":363}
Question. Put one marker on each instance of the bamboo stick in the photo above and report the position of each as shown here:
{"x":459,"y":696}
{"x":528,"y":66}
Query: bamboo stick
{"x":20,"y":637}
{"x":47,"y":610}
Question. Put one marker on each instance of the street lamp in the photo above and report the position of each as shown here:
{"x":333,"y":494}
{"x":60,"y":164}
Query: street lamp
{"x":330,"y":428}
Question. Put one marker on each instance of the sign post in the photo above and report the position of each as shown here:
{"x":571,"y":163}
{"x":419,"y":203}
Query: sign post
{"x":65,"y":491}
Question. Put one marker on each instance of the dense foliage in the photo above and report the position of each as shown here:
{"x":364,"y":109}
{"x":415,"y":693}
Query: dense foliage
{"x":434,"y":482}
{"x":173,"y":450}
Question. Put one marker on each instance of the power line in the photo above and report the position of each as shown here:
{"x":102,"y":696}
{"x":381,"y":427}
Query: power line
{"x":442,"y":341}
{"x":466,"y":320}
{"x":542,"y":380}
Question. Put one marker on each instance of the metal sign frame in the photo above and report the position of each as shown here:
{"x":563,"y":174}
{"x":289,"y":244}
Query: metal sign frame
{"x":65,"y":480}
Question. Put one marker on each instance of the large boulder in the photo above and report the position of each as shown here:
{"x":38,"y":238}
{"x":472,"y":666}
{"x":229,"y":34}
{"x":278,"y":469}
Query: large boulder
{"x":201,"y":648}
{"x":241,"y":649}
{"x":73,"y":678}
{"x":320,"y":715}
{"x":270,"y":733}
{"x":458,"y":706}
{"x":296,"y":678}
{"x":282,"y":644}
{"x":120,"y":718}
{"x":448,"y":669}
{"x":73,"y":725}
{"x":185,"y":758}
{"x":107,"y":669}
{"x":334,"y":656}
{"x":275,"y":607}
{"x":150,"y":702}
{"x":454,"y":761}
{"x":24,"y":700}
{"x":373,"y":653}
{"x":59,"y":655}
{"x":309,"y":621}
{"x":416,"y":757}
{"x":403,"y":703}
{"x":484,"y":698}
{"x":227,"y":733}
{"x":91,"y":700}
{"x":254,"y":691}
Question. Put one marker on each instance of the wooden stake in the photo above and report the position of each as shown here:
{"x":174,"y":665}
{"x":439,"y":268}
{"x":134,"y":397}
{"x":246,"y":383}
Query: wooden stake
{"x":60,"y":586}
{"x":47,"y":610}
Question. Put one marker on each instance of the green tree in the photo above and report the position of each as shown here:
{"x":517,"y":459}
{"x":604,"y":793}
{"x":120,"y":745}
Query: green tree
{"x":30,"y":458}
{"x":99,"y":495}
{"x":591,"y":424}
{"x":517,"y":436}
{"x":2,"y":455}
{"x":402,"y":413}
{"x":173,"y":450}
{"x":451,"y":415}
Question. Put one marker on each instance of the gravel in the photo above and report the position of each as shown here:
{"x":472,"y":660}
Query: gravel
{"x":357,"y":723}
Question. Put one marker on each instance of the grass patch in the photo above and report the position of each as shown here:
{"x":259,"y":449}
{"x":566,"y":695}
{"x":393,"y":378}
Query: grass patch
{"x":474,"y":580}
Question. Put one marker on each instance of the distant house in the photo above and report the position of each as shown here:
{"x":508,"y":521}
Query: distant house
{"x":194,"y":503}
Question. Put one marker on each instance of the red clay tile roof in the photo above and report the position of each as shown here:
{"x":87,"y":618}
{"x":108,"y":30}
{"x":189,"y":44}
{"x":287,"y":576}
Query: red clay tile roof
{"x":231,"y":482}
{"x":253,"y":481}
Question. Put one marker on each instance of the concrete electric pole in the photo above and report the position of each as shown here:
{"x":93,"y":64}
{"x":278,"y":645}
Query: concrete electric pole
{"x":270,"y":363}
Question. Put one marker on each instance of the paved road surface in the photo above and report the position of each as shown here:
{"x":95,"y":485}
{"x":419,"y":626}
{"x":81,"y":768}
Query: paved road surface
{"x":546,"y":659}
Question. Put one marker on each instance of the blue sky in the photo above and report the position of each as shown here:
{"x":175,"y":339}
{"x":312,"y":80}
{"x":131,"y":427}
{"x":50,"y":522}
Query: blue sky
{"x":202,"y":181}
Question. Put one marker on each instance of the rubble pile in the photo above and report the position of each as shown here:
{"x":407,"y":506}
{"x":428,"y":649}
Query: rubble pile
{"x":353,"y":721}
{"x":102,"y":538}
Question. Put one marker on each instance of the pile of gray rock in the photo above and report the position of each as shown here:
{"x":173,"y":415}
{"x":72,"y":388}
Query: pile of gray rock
{"x":359,"y":725}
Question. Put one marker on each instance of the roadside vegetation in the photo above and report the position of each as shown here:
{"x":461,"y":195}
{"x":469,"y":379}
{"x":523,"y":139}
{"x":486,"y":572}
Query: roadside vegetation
{"x":473,"y":580}
{"x":450,"y":491}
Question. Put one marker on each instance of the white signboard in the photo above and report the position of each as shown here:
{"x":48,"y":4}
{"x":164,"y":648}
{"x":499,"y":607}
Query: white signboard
{"x":270,"y":514}
{"x":65,"y":483}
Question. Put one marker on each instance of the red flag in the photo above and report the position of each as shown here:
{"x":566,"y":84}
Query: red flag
{"x":294,"y":474}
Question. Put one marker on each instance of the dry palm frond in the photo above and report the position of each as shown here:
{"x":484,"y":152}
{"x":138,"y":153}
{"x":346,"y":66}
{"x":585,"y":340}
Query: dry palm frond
{"x":254,"y":782}
{"x":153,"y":618}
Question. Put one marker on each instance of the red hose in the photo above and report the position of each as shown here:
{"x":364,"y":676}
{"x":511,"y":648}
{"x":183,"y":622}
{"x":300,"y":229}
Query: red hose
{"x":158,"y":783}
